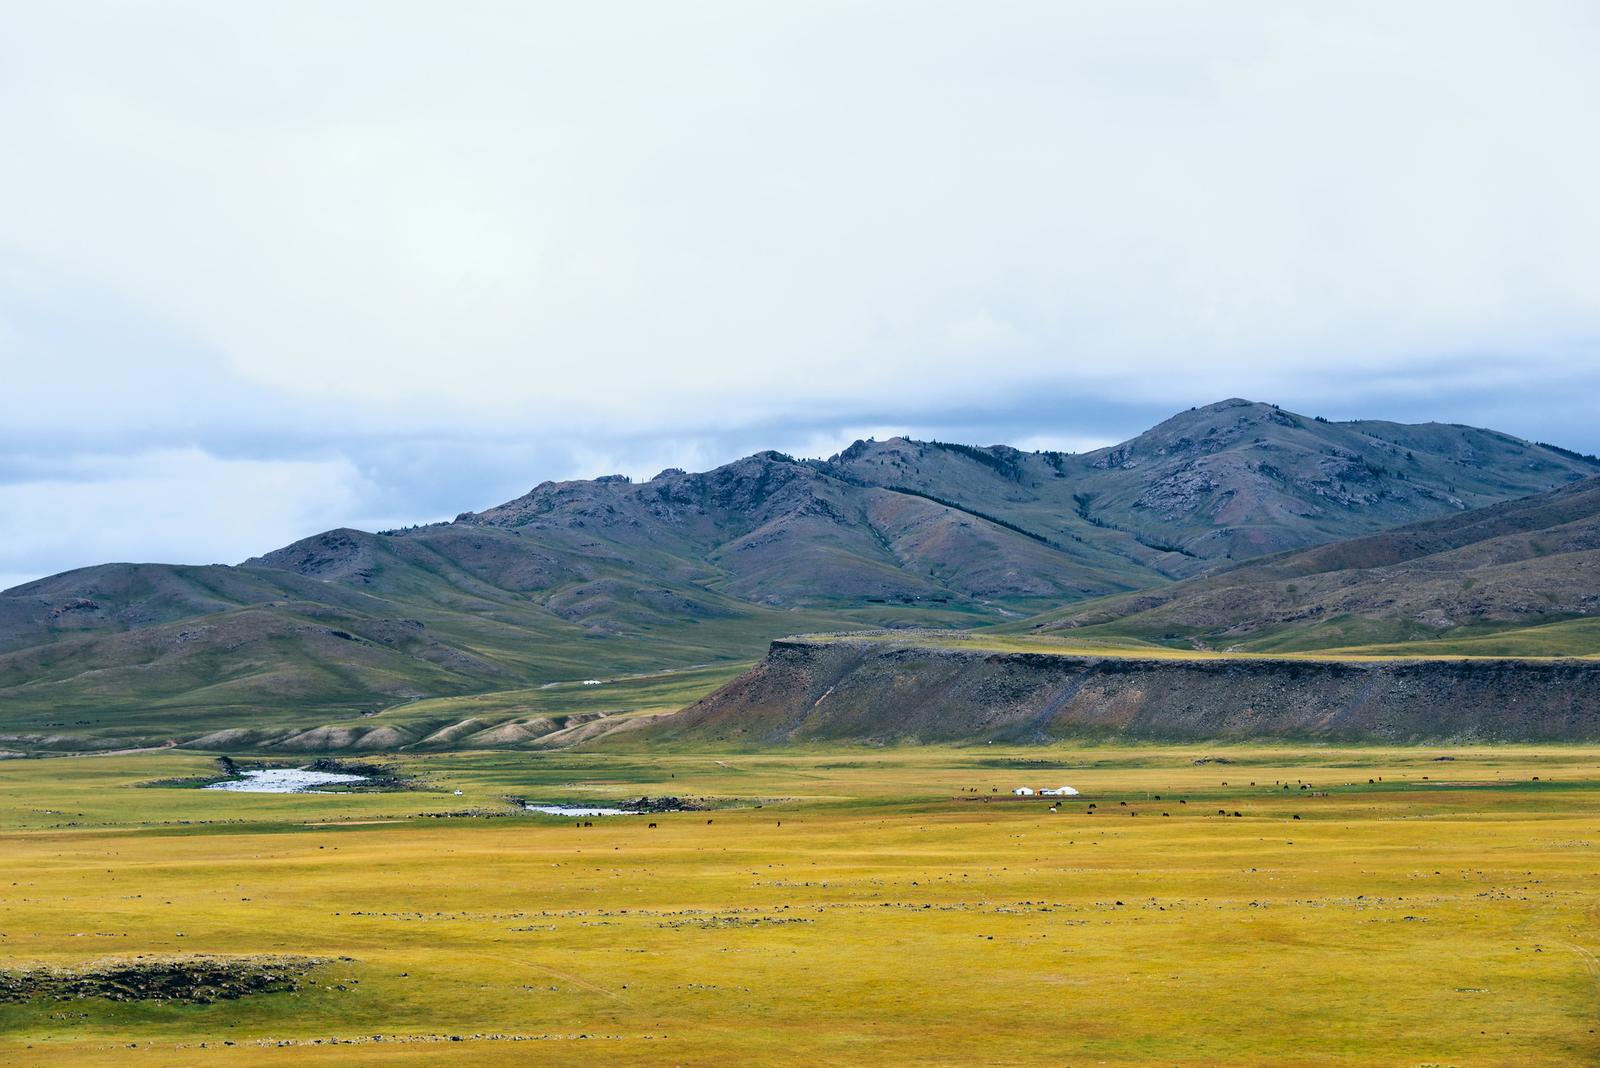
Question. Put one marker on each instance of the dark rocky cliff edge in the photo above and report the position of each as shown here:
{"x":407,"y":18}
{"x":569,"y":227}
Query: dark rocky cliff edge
{"x":878,"y":693}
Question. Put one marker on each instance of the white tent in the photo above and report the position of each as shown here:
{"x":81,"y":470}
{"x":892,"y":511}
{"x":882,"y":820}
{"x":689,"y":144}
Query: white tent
{"x":1023,"y":791}
{"x":1064,"y":791}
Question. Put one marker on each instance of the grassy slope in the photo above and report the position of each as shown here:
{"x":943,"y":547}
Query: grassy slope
{"x":1573,"y":639}
{"x":1522,"y":576}
{"x":1418,"y":912}
{"x":281,"y":662}
{"x":1570,"y":638}
{"x":1341,"y":636}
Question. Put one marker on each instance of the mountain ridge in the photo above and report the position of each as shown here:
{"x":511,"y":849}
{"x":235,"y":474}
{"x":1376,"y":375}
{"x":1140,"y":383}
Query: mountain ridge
{"x":606,"y":577}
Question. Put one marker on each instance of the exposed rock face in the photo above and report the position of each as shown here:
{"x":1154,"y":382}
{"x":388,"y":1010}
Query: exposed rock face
{"x":867,"y":691}
{"x":333,"y":554}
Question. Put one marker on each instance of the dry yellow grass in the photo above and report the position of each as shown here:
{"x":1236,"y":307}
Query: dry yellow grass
{"x":1563,"y":641}
{"x":895,"y":916}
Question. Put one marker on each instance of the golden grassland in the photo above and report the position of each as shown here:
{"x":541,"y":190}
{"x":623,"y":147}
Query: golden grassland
{"x":842,"y":906}
{"x":1570,"y":640}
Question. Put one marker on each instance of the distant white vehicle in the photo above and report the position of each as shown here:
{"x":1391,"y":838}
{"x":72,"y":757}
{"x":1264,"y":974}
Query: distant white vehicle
{"x":1023,"y":791}
{"x":1061,"y":791}
{"x":591,"y":682}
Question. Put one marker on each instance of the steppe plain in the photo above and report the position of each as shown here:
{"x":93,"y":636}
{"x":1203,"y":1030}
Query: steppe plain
{"x":1233,"y":904}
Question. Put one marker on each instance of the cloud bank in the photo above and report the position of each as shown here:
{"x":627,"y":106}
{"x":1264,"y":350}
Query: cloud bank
{"x":296,"y":266}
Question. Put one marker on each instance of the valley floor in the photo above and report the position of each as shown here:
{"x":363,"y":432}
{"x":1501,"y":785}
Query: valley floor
{"x":1428,"y":906}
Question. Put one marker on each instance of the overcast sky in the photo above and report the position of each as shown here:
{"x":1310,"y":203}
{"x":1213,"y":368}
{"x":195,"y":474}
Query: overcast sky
{"x":276,"y":267}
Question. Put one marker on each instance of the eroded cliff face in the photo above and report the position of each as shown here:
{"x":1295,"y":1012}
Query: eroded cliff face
{"x":873,"y":692}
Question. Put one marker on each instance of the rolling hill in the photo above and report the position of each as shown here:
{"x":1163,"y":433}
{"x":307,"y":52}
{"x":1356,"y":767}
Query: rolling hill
{"x":606,"y":578}
{"x":1520,"y":577}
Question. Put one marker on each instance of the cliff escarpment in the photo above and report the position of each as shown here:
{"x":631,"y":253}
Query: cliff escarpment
{"x":879,"y":693}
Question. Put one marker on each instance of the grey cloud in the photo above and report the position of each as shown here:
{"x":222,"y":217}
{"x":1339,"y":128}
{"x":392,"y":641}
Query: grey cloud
{"x":435,"y":257}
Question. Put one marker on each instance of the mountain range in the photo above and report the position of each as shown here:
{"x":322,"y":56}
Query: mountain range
{"x":602,"y":578}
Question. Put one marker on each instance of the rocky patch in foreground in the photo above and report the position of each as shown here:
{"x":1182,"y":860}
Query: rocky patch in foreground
{"x":197,"y":980}
{"x":377,"y":776}
{"x":664,"y":804}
